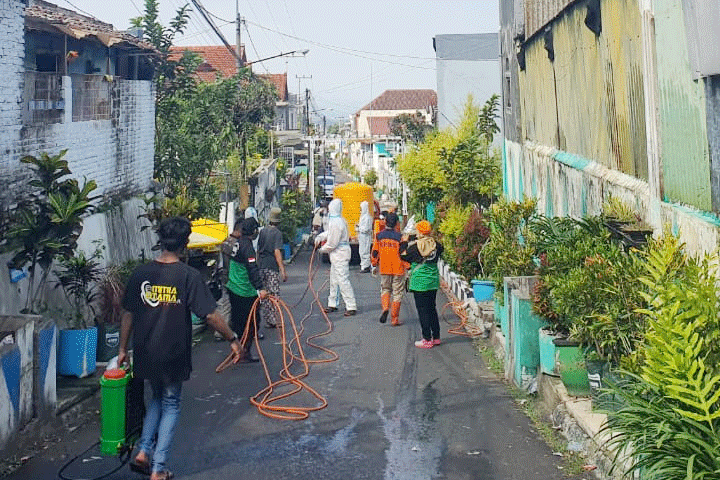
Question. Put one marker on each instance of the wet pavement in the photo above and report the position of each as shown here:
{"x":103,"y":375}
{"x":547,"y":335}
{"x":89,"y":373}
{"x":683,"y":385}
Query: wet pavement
{"x":394,"y":412}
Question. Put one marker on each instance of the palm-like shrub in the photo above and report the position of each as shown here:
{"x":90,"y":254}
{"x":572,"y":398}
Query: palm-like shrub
{"x":670,"y":423}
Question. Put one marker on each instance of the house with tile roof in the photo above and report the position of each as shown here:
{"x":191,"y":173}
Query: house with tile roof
{"x":217,"y":61}
{"x":69,"y":82}
{"x":374,"y":146}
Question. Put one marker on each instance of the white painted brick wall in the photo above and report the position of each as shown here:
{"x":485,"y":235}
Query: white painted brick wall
{"x":12,"y":48}
{"x":117,"y":153}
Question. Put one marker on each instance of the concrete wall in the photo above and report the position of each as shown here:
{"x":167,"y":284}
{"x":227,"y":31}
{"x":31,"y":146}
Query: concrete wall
{"x":570,"y":185}
{"x":16,"y":375}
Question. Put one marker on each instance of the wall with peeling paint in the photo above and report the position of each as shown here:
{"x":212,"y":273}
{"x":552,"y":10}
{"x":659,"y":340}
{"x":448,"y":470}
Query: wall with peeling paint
{"x":589,"y":100}
{"x":681,"y":105}
{"x":570,"y":185}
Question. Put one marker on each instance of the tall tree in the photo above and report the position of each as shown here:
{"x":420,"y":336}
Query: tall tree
{"x":410,"y":127}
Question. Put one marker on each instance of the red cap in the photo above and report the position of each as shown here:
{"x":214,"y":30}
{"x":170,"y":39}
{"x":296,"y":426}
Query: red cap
{"x":114,"y":374}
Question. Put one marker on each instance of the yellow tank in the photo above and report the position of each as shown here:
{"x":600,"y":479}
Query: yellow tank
{"x":352,"y":195}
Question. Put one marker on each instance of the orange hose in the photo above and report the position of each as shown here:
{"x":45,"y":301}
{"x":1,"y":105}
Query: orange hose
{"x":266,"y":399}
{"x":462,"y":328}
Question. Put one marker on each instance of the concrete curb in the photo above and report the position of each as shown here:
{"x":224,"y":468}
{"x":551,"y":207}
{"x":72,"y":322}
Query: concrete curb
{"x":572,"y":416}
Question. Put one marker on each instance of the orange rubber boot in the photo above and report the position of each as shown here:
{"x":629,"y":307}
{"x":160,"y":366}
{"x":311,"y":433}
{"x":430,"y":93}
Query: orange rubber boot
{"x":385,"y":301}
{"x":396,"y":314}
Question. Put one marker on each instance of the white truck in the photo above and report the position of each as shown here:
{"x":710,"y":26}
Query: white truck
{"x":327,"y":185}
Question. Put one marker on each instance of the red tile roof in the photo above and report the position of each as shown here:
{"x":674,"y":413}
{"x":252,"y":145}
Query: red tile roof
{"x":403,"y":100}
{"x":280,"y":82}
{"x":216,"y":59}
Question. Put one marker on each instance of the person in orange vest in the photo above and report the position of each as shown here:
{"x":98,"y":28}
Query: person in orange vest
{"x":386,"y":257}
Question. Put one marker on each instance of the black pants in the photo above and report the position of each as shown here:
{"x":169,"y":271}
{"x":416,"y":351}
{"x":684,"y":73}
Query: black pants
{"x":240,"y":308}
{"x":427,"y":313}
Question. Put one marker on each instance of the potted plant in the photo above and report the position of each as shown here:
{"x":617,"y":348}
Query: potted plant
{"x":468,"y":255}
{"x":625,"y":224}
{"x":46,"y":222}
{"x":78,"y":277}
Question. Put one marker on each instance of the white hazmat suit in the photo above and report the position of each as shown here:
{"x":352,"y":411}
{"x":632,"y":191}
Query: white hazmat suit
{"x":364,"y":233}
{"x":337,"y":245}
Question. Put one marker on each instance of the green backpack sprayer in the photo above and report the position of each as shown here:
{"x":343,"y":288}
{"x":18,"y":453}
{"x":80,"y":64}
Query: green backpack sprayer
{"x":122,"y":409}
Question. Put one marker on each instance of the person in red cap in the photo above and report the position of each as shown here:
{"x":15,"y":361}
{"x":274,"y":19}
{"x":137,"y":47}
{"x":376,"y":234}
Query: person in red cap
{"x":423,"y":254}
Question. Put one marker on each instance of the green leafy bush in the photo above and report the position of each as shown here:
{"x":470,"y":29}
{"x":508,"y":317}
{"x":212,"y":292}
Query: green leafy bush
{"x":510,"y":250}
{"x":451,"y":227}
{"x":671,"y":420}
{"x":473,"y":238}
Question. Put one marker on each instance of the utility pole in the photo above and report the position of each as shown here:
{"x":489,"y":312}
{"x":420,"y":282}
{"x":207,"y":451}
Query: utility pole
{"x":299,"y":109}
{"x":217,"y":31}
{"x":311,"y":150}
{"x":238,"y":36}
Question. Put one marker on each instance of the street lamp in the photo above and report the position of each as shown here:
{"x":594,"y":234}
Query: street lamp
{"x":293,"y":53}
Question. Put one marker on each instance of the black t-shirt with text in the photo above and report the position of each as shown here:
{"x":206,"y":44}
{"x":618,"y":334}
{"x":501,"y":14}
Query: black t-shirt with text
{"x":161,"y":297}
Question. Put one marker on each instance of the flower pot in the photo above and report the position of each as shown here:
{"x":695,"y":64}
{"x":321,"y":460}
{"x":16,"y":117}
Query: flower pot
{"x":570,"y":364}
{"x":108,"y":341}
{"x":483,"y":290}
{"x":77,"y":351}
{"x":287,"y":253}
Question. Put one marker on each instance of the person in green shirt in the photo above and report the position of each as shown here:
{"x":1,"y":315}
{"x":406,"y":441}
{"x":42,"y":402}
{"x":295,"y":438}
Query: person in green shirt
{"x":423,"y":254}
{"x":244,"y":284}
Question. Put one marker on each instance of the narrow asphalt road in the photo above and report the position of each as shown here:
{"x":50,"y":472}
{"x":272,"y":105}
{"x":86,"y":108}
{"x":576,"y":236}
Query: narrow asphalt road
{"x":394,"y":412}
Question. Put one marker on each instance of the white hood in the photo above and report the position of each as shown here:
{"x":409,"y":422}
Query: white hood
{"x":335,"y":208}
{"x":364,"y":208}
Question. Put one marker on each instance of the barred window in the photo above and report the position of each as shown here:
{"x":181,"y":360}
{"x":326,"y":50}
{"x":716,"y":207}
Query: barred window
{"x":91,"y":98}
{"x":43,"y":97}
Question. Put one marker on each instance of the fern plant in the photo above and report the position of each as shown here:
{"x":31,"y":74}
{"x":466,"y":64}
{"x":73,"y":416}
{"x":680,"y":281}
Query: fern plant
{"x":671,"y":421}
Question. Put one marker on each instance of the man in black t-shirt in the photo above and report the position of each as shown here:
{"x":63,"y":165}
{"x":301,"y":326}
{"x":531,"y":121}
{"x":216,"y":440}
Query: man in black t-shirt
{"x":159,"y":299}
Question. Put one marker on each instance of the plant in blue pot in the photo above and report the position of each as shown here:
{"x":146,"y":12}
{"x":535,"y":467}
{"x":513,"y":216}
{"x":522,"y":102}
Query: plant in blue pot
{"x":79,"y":276}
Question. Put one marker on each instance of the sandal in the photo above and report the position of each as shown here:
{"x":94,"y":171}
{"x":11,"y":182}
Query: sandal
{"x":165,"y":475}
{"x":142,"y":468}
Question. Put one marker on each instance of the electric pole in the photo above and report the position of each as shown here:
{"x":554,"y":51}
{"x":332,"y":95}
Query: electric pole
{"x":238,"y":37}
{"x":299,"y":109}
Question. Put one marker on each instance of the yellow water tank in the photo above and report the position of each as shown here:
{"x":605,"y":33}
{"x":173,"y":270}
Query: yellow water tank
{"x":352,"y":195}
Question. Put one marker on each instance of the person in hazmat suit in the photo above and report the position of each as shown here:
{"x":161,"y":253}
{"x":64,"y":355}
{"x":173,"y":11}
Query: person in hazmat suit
{"x":364,"y":230}
{"x":337,"y":246}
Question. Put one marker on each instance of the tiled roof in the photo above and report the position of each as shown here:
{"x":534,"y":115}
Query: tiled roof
{"x":280,"y":82}
{"x":379,"y":125}
{"x":403,"y":100}
{"x":216,"y":59}
{"x":41,"y":15}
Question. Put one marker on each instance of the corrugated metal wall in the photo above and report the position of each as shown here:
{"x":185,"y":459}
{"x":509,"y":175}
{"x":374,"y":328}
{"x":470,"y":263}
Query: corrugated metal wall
{"x":589,"y":100}
{"x":682,"y":109}
{"x":539,"y":13}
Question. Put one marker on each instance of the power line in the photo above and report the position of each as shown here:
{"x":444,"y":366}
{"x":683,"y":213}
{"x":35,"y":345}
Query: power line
{"x":255,"y":49}
{"x":80,"y":10}
{"x":345,"y":49}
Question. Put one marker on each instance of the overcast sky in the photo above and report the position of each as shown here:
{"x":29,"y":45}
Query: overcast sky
{"x":358,"y":49}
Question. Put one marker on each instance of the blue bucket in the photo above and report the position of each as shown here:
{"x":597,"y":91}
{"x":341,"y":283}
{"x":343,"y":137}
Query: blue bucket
{"x":77,"y":352}
{"x":483,"y":290}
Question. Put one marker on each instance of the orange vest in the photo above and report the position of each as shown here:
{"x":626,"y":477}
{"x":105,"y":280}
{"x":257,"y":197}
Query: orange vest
{"x":386,"y":253}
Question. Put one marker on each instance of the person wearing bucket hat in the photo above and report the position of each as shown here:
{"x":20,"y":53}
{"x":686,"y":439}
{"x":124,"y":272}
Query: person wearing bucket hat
{"x":423,"y":254}
{"x":272,"y":268}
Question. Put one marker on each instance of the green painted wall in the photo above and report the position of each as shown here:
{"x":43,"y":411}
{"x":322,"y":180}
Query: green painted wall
{"x":681,"y":105}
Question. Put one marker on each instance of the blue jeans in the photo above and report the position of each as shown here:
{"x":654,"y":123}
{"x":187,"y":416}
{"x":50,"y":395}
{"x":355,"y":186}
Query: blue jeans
{"x":160,"y":419}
